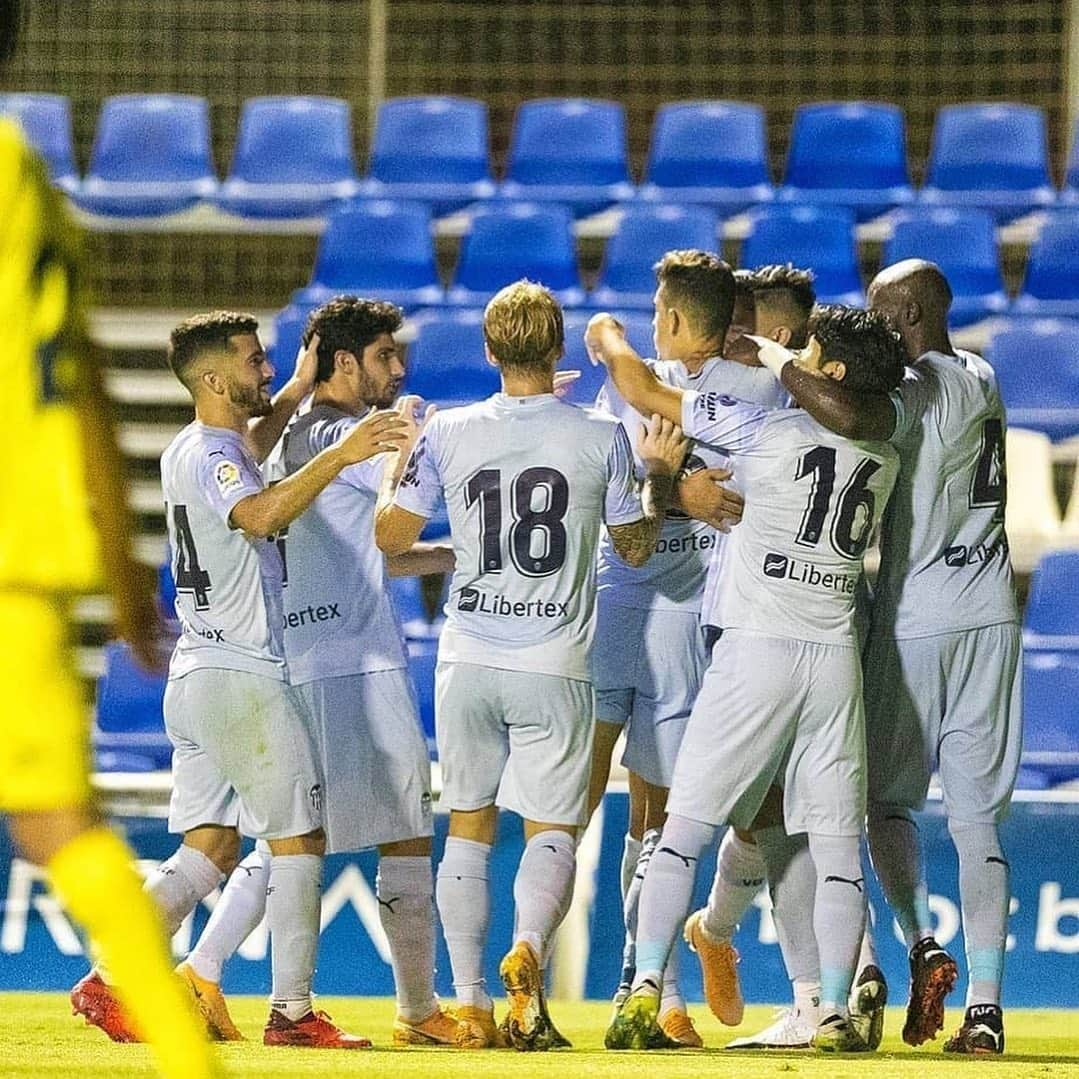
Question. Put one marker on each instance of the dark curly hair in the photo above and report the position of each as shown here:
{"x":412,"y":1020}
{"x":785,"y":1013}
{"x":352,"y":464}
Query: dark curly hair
{"x":349,"y":324}
{"x":864,"y":342}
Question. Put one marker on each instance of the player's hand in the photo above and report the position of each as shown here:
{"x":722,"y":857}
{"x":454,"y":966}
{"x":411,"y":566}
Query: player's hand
{"x":306,"y":365}
{"x":810,"y":358}
{"x":662,"y":446}
{"x":743,"y":350}
{"x":377,"y":432}
{"x":416,"y":415}
{"x":563,"y":380}
{"x":138,"y":618}
{"x":703,"y":497}
{"x":602,"y":333}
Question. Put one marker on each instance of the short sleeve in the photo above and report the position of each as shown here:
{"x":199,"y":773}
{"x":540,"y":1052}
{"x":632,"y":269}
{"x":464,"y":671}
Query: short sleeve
{"x":623,"y":503}
{"x":723,"y":422}
{"x":227,"y":476}
{"x":365,"y":475}
{"x":420,"y":488}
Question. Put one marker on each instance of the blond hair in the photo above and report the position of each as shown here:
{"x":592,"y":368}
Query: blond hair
{"x":522,"y":326}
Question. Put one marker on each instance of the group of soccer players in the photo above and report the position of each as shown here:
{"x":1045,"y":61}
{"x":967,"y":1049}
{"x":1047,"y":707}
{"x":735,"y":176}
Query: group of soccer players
{"x":681,"y":563}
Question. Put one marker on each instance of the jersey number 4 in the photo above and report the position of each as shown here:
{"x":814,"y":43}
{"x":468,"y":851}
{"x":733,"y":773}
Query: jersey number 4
{"x":189,"y":575}
{"x":989,"y":484}
{"x":852,"y":521}
{"x":537,"y":536}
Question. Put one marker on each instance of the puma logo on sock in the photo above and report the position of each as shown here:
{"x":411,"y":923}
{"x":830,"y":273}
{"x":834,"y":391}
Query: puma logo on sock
{"x":857,"y":883}
{"x":685,"y":859}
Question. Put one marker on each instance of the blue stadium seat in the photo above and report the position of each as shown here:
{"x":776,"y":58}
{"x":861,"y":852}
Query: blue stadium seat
{"x":1035,"y":362}
{"x":433,"y":150}
{"x":645,"y":234}
{"x":293,"y":158}
{"x":1050,"y":718}
{"x":1051,"y":287}
{"x":638,"y":331}
{"x":571,"y":151}
{"x":819,"y":238}
{"x":151,"y":156}
{"x":848,"y":154}
{"x":714,"y":152}
{"x":46,"y":120}
{"x":288,"y":333}
{"x":513,"y":240}
{"x":422,"y":657}
{"x":446,"y":361}
{"x":1051,"y":620}
{"x":1070,"y":195}
{"x":166,"y":587}
{"x":376,"y":248}
{"x":129,"y":703}
{"x":994,"y":157}
{"x":963,"y":243}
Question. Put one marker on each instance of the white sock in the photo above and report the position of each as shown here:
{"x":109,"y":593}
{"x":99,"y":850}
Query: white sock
{"x":464,"y":905}
{"x":671,"y":994}
{"x":238,"y":912}
{"x":180,"y":882}
{"x":292,"y":910}
{"x":739,"y":877}
{"x":631,"y":853}
{"x":896,"y":850}
{"x":543,"y":888}
{"x":807,"y":999}
{"x":867,"y":956}
{"x":405,"y":887}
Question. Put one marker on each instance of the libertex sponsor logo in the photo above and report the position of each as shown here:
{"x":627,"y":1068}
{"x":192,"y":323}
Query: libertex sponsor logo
{"x":783,"y":567}
{"x":472,"y":600}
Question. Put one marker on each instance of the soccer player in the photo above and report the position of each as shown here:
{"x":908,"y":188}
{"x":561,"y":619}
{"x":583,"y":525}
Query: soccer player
{"x":346,"y":654}
{"x":243,"y":757}
{"x":528,"y":481}
{"x":943,"y":660}
{"x":57,"y":420}
{"x":649,"y":652}
{"x":781,"y":700}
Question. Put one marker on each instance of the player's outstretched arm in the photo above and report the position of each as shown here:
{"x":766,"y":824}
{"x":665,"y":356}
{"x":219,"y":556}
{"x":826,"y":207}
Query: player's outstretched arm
{"x":263,"y":433}
{"x":605,"y":339}
{"x":270,"y":510}
{"x":662,"y":448}
{"x":421,"y":560}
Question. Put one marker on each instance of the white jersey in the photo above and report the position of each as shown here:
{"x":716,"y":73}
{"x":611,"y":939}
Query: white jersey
{"x":339,"y":617}
{"x":527,"y":482}
{"x":228,"y":584}
{"x":944,"y":553}
{"x":792,"y":566}
{"x":673,"y":578}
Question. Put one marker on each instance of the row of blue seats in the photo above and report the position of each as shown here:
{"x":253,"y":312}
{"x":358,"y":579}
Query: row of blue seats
{"x":1036,"y":362}
{"x":293,"y":155}
{"x":129,"y":733}
{"x":386,"y":249}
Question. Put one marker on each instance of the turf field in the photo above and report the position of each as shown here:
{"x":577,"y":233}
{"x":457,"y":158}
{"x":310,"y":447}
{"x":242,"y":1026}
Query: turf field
{"x":38,"y":1037}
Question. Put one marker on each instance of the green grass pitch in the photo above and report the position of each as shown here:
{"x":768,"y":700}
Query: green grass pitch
{"x":40,"y":1038}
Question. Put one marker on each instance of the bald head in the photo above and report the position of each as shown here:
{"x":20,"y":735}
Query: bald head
{"x":914,"y":296}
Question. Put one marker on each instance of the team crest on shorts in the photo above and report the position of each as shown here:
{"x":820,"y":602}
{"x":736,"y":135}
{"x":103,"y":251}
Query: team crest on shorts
{"x":315,"y":794}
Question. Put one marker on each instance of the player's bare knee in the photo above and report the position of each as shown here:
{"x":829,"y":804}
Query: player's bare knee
{"x":534,"y":828}
{"x":477,"y":825}
{"x":419,"y":847}
{"x":221,"y":845}
{"x":41,"y":836}
{"x":310,"y":843}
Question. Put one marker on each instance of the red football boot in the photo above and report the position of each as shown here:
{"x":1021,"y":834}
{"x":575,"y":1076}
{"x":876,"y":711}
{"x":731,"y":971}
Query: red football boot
{"x":94,"y":1000}
{"x":314,"y":1031}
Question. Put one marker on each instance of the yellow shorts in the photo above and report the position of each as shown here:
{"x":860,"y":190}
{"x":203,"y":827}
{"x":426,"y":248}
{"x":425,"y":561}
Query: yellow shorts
{"x":44,"y":736}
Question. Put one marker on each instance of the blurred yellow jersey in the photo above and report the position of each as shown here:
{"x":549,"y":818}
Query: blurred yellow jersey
{"x":48,"y":542}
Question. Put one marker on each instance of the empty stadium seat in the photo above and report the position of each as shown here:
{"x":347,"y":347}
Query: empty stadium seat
{"x":1070,"y":526}
{"x":570,"y":151}
{"x":46,"y":120}
{"x":446,"y":361}
{"x":819,"y":238}
{"x":129,"y":708}
{"x":166,"y":587}
{"x":1035,"y":363}
{"x":288,"y":333}
{"x":421,"y":618}
{"x":848,"y":154}
{"x":1032,"y":516}
{"x":1051,"y":286}
{"x":994,"y":157}
{"x":713,"y":152}
{"x":963,"y":243}
{"x":293,"y":158}
{"x":1051,"y":620}
{"x":151,"y":156}
{"x":638,"y":332}
{"x":513,"y":240}
{"x":1070,"y":195}
{"x":422,"y":658}
{"x":379,"y":249}
{"x":1050,"y":720}
{"x":433,"y":150}
{"x":645,"y":234}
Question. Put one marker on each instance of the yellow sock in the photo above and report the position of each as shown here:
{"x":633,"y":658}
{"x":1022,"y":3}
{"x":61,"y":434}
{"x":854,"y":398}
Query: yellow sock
{"x":94,"y":877}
